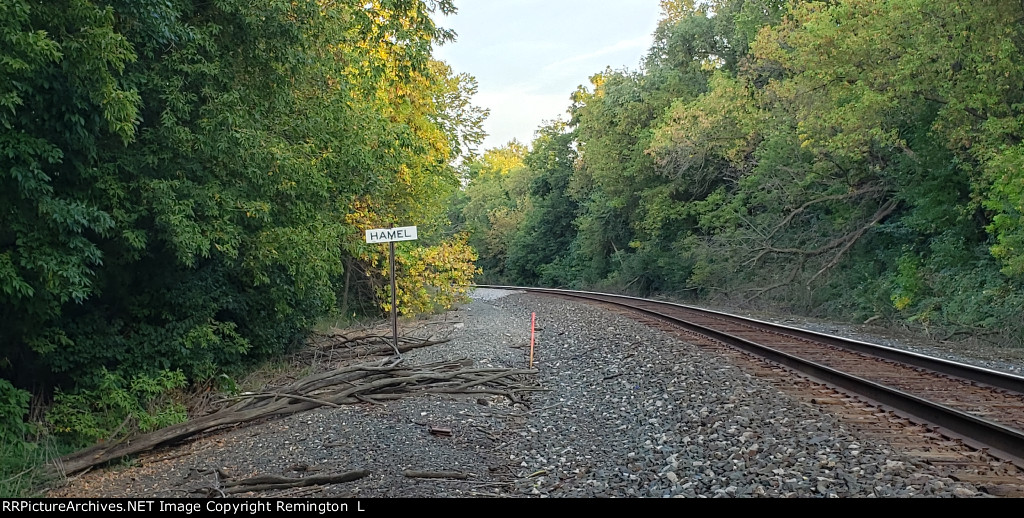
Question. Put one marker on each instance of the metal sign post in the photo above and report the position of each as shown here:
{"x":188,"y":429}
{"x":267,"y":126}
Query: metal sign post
{"x":394,"y":300}
{"x":389,"y":236}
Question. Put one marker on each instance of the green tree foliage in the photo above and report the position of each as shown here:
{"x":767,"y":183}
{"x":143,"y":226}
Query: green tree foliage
{"x":431,"y":279}
{"x":855,"y":158}
{"x":61,"y":105}
{"x":877,"y":93}
{"x":610,"y":122}
{"x":118,"y":407}
{"x":496,"y":192}
{"x":184,"y":184}
{"x":539,"y":250}
{"x":13,"y":409}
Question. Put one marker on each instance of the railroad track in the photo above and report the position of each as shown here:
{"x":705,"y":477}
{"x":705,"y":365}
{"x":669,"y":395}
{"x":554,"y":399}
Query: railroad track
{"x":982,"y":407}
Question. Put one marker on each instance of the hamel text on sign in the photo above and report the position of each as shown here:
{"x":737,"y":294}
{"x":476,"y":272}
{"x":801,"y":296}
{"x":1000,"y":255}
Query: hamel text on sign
{"x":388,"y":235}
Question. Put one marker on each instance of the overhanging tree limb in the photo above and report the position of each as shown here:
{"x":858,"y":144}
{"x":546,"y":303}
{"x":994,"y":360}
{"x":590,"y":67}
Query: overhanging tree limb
{"x":836,"y":197}
{"x":882,"y":212}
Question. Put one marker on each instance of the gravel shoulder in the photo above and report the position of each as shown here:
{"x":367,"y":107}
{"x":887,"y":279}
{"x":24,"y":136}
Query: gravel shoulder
{"x":630,"y":412}
{"x":1000,"y":357}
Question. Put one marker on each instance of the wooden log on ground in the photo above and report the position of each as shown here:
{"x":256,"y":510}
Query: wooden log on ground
{"x":269,"y":482}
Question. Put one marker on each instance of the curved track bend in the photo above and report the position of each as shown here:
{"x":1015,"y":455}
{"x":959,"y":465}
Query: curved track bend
{"x":983,"y":407}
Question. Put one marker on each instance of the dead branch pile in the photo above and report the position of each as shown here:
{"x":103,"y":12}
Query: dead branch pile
{"x":329,"y":351}
{"x":338,"y":346}
{"x":353,"y":384}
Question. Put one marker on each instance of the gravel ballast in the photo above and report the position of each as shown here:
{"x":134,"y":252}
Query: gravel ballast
{"x":629,"y":411}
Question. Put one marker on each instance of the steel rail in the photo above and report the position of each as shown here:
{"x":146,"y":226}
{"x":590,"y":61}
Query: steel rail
{"x":990,"y":377}
{"x":1000,"y":440}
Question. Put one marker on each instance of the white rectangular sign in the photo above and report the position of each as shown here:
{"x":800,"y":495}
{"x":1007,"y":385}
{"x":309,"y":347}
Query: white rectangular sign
{"x":387,"y":235}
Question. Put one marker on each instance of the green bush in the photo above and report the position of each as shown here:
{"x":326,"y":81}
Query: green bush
{"x":118,"y":407}
{"x":13,"y":409}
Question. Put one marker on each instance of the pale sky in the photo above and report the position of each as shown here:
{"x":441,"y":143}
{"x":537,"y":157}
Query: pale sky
{"x":528,"y":56}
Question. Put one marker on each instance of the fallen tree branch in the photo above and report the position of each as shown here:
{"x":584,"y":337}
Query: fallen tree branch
{"x":275,"y":395}
{"x":883,"y":211}
{"x":348,"y":385}
{"x":273,"y":482}
{"x":268,"y":482}
{"x":853,"y":194}
{"x":336,"y":348}
{"x":762,"y":291}
{"x":847,"y":239}
{"x":843,"y":243}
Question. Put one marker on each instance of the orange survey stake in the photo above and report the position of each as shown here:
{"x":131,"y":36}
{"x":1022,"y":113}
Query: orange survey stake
{"x":533,"y":323}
